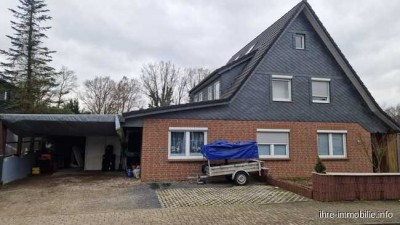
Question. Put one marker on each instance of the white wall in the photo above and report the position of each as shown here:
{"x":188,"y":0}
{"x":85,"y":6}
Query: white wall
{"x":95,"y":148}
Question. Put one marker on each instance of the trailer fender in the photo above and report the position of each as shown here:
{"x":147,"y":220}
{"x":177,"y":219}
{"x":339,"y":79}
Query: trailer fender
{"x":234,"y":174}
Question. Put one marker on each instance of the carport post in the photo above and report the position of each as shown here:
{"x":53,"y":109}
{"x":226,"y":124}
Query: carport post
{"x":3,"y":138}
{"x":19,"y":146}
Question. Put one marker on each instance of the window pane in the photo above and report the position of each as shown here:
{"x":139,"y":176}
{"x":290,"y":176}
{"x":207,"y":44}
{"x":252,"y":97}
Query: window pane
{"x":299,"y":38}
{"x":196,"y":141}
{"x":209,"y":93}
{"x":271,"y":137}
{"x":216,"y":90}
{"x":323,"y":144}
{"x":264,"y":149}
{"x":177,"y":143}
{"x":280,"y":89}
{"x":320,"y":90}
{"x":337,"y":144}
{"x":280,"y":149}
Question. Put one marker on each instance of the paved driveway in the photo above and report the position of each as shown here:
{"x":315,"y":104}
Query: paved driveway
{"x":112,"y":199}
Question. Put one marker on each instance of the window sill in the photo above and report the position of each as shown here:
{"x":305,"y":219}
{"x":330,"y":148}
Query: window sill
{"x":274,"y":159}
{"x":186,"y":160}
{"x":281,"y":100}
{"x":333,"y":158}
{"x":320,"y":102}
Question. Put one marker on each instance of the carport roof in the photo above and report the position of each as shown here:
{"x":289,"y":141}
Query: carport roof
{"x":60,"y":124}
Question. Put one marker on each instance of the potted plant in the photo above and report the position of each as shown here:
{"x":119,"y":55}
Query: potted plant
{"x":319,"y":166}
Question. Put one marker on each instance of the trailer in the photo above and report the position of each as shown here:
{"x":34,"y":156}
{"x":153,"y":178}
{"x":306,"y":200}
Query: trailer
{"x":244,"y":154}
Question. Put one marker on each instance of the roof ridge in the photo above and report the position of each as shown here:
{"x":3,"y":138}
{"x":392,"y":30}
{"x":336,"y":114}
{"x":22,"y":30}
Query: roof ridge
{"x":264,"y":31}
{"x":272,"y":33}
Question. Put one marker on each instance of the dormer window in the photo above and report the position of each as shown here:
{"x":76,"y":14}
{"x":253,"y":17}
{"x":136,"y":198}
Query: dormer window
{"x":299,"y":40}
{"x":217,"y":90}
{"x":209,"y":93}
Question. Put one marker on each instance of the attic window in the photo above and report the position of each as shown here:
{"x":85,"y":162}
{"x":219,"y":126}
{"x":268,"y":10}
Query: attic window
{"x":299,"y":40}
{"x":251,"y":48}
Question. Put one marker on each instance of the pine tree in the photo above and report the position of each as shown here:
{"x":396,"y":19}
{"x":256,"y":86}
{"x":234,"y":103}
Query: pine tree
{"x":27,"y":66}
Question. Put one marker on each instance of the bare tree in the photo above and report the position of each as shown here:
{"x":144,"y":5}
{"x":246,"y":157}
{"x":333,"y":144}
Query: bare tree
{"x":181,"y":94}
{"x":159,"y":82}
{"x":99,"y":95}
{"x":126,"y":95}
{"x":66,"y":82}
{"x":194,"y":76}
{"x":375,"y":149}
{"x":394,"y":112}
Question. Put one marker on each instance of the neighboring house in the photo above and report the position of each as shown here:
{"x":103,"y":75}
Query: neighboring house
{"x":291,"y":89}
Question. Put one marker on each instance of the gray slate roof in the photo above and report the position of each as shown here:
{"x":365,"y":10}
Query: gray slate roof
{"x":262,"y":44}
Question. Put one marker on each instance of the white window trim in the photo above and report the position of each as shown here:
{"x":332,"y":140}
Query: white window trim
{"x":303,"y":40}
{"x":215,"y":90}
{"x":187,"y":131}
{"x":282,"y":78}
{"x":200,"y":97}
{"x":209,"y":96}
{"x":328,"y":99}
{"x":330,"y":144}
{"x":320,"y":79}
{"x":272,"y":145}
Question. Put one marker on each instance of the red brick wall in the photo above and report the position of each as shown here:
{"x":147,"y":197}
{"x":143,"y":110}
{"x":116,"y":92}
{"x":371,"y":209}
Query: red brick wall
{"x":302,"y":147}
{"x":353,"y":187}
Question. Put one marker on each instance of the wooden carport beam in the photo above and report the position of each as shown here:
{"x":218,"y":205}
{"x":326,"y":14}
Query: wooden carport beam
{"x":3,"y":138}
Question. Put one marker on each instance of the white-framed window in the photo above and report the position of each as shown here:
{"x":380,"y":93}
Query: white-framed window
{"x":282,"y":88}
{"x":320,"y":90}
{"x":332,"y":143}
{"x":186,"y":142}
{"x":273,"y":143}
{"x":200,"y":96}
{"x":299,"y":40}
{"x":217,"y":92}
{"x":209,"y":93}
{"x":196,"y":98}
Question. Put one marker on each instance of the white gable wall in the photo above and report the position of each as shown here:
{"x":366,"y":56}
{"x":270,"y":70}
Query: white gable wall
{"x":95,"y":149}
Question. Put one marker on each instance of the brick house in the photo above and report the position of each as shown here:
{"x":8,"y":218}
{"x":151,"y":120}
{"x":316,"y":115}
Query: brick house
{"x":290,"y":89}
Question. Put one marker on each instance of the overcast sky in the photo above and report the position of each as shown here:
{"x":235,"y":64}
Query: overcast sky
{"x":114,"y":38}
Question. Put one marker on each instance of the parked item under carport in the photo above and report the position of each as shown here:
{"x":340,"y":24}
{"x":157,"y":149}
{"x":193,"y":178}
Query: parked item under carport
{"x":239,"y":170}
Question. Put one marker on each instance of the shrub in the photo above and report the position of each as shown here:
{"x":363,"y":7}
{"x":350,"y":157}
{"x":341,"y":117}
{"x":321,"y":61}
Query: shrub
{"x":319,"y":167}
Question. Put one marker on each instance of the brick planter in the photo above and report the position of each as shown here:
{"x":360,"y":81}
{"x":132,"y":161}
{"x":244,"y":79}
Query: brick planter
{"x":356,"y":186}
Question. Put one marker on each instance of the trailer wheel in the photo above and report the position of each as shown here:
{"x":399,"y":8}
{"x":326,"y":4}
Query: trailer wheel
{"x":241,"y":178}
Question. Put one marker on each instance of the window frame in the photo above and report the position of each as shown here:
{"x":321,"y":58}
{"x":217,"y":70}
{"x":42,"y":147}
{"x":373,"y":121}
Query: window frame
{"x":250,"y":49}
{"x":187,"y":131}
{"x":282,"y":78}
{"x":209,"y":93}
{"x":217,"y":93}
{"x":327,"y":80}
{"x":200,"y":96}
{"x":272,"y":145}
{"x":330,"y":144}
{"x":303,"y":41}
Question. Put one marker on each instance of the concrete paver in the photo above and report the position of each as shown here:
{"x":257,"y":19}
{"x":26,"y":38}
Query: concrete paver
{"x":111,"y":199}
{"x":284,"y":213}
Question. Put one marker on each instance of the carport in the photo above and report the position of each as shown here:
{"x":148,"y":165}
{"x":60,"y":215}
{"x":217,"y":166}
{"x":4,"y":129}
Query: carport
{"x":78,"y":141}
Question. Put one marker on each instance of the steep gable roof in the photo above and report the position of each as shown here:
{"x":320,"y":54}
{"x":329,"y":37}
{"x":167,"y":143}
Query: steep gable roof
{"x":259,"y":47}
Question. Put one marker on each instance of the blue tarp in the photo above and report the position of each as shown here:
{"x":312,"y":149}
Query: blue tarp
{"x":228,"y":150}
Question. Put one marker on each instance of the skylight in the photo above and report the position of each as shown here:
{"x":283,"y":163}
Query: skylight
{"x":251,"y":48}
